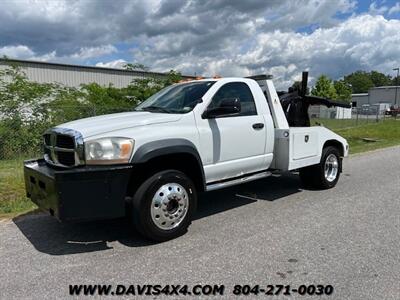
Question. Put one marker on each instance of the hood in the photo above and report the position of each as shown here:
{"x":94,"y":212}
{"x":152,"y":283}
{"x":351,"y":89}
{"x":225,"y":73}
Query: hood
{"x":108,"y":123}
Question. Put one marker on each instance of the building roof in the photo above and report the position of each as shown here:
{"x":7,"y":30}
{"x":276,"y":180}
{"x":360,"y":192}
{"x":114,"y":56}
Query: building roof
{"x":385,"y":87}
{"x":93,"y":68}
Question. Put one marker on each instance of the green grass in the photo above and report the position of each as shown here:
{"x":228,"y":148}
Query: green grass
{"x":387,"y":133}
{"x":13,"y":200}
{"x":347,"y":123}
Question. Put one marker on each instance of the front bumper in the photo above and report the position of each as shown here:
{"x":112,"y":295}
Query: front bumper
{"x":78,"y":194}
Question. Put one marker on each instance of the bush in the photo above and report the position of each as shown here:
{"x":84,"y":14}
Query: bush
{"x":27,"y":109}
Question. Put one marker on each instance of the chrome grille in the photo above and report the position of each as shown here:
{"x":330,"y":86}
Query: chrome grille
{"x":63,"y":147}
{"x":66,"y":158}
{"x":65,"y":141}
{"x":46,"y":139}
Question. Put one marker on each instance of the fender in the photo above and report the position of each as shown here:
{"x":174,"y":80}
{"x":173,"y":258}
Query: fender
{"x":159,"y":148}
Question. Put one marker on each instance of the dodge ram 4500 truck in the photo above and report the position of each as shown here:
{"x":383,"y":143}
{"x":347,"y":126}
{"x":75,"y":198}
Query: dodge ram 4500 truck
{"x":190,"y":137}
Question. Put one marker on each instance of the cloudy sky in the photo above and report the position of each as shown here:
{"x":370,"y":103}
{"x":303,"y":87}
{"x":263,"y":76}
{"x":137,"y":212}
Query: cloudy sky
{"x":208,"y":37}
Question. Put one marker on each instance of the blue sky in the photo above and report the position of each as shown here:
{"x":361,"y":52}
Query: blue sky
{"x":225,"y":37}
{"x":363,"y":6}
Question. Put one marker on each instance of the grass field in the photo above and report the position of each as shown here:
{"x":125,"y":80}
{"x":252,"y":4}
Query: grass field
{"x":346,"y":123}
{"x":387,"y":133}
{"x":12,"y":189}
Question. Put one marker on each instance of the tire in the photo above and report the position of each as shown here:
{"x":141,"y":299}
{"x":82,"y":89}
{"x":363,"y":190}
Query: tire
{"x":163,"y":205}
{"x":316,"y":177}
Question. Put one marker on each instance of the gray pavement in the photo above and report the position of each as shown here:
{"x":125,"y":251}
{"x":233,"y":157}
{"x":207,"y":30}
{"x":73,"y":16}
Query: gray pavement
{"x":348,"y":237}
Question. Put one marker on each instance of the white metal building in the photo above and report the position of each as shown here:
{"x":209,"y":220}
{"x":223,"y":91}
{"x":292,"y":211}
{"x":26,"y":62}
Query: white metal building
{"x":75,"y":75}
{"x":358,"y":100}
{"x":376,"y":95}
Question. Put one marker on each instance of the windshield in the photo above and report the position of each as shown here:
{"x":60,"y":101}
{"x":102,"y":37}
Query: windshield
{"x":178,"y":98}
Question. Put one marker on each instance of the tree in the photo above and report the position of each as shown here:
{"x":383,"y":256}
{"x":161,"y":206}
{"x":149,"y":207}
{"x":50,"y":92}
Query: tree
{"x":28,"y":108}
{"x":296,"y":86}
{"x":17,"y":93}
{"x":324,"y":88}
{"x":135,"y":67}
{"x":343,"y":91}
{"x":380,"y":79}
{"x":395,"y":81}
{"x":360,"y":81}
{"x":24,"y":112}
{"x":105,"y":99}
{"x":172,"y":77}
{"x":141,"y":89}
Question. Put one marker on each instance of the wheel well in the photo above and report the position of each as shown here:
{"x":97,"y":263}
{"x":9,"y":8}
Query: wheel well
{"x":184,"y":162}
{"x":336,"y":144}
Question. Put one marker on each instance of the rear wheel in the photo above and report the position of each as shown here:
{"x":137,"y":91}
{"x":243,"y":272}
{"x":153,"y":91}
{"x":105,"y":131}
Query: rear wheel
{"x":326,"y":174}
{"x":163,"y":205}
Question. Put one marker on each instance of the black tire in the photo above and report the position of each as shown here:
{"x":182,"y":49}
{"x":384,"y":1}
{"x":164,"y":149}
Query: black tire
{"x":314,"y":176}
{"x":142,"y":204}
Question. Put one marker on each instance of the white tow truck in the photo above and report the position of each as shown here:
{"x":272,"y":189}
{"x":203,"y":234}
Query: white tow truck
{"x":190,"y":137}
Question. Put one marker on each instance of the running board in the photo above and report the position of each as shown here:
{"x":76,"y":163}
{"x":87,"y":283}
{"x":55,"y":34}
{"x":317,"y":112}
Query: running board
{"x":220,"y":185}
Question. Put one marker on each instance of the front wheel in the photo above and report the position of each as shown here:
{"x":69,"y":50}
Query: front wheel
{"x":326,"y":174}
{"x":163,"y":205}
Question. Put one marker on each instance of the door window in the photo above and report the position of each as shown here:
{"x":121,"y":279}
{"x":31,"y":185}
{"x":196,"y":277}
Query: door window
{"x":238,"y":90}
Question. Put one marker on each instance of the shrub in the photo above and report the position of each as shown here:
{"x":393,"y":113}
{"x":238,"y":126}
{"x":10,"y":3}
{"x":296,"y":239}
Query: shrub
{"x":28,"y":108}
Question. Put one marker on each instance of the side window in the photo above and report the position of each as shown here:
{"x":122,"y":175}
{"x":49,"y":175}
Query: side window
{"x":238,"y":90}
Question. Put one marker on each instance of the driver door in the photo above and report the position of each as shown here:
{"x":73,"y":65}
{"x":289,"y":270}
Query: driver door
{"x":232,"y":145}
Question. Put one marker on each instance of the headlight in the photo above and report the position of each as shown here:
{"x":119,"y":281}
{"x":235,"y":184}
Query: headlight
{"x":112,"y":150}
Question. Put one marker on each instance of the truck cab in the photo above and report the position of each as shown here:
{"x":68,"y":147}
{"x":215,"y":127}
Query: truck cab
{"x":190,"y":137}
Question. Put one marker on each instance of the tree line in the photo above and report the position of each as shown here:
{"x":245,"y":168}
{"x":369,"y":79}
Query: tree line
{"x":354,"y":83}
{"x":29,"y":108}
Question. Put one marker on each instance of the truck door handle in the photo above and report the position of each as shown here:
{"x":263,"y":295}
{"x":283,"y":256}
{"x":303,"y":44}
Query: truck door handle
{"x":258,"y":126}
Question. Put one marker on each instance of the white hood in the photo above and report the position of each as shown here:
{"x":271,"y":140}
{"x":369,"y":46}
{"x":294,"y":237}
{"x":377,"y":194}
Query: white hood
{"x":99,"y":125}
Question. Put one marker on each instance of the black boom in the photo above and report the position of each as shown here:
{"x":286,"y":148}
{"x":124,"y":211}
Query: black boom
{"x":295,"y":103}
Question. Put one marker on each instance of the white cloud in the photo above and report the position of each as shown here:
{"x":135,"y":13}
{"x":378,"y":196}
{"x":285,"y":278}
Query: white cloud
{"x":51,"y":56}
{"x":207,"y":37}
{"x":394,"y":9}
{"x":67,"y":26}
{"x":375,"y":10}
{"x":117,"y":64}
{"x":91,"y":52}
{"x":362,"y":42}
{"x":24,"y":52}
{"x":51,"y":10}
{"x":19,"y":51}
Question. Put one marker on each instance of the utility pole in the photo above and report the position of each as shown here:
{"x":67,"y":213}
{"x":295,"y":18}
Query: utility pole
{"x":397,"y":84}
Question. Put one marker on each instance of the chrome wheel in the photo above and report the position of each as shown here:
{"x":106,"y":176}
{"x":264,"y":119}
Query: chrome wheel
{"x":331,"y":167}
{"x":169,"y":206}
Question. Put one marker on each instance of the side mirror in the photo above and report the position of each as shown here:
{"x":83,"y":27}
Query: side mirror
{"x":228,"y":107}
